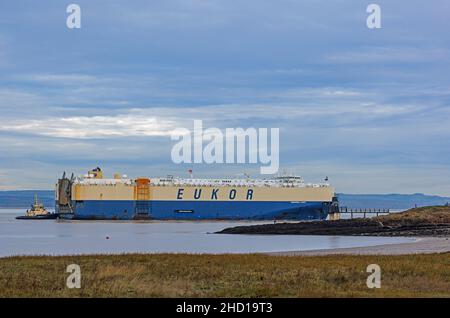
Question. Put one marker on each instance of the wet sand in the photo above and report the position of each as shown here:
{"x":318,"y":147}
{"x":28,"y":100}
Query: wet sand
{"x":423,"y":245}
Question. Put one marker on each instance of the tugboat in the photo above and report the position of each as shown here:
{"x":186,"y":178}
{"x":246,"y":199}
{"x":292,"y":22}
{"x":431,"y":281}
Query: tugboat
{"x":37,"y":212}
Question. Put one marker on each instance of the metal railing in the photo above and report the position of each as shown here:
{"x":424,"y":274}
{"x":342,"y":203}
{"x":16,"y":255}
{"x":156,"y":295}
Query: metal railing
{"x":352,"y":211}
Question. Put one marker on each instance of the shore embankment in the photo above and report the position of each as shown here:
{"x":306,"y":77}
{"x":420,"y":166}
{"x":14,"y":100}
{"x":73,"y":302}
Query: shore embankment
{"x":418,"y":222}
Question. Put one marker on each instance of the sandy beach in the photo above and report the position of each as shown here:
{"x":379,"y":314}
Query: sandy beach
{"x":422,"y":245}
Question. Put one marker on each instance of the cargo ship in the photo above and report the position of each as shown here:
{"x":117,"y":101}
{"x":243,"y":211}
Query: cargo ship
{"x":93,"y":197}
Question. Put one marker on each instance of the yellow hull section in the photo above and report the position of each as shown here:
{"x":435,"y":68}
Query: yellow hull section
{"x":119,"y":191}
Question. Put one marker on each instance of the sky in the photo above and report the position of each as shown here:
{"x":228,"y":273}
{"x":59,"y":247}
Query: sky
{"x":369,"y":108}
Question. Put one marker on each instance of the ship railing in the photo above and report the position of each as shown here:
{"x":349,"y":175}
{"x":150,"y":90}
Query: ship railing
{"x":104,"y":181}
{"x":206,"y":182}
{"x":200,"y":183}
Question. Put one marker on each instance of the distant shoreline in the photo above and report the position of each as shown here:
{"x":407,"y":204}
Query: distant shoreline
{"x":23,"y":199}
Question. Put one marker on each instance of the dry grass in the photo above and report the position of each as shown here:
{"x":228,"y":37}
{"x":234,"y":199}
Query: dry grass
{"x":169,"y":275}
{"x":424,"y":215}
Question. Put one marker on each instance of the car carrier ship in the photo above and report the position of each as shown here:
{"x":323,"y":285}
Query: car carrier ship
{"x":122,"y":198}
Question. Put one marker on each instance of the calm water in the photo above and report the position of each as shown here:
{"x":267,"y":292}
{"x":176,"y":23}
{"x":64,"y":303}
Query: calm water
{"x":54,"y":237}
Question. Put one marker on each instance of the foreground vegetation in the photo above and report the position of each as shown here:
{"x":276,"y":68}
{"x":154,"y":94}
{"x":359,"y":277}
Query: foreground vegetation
{"x":181,"y":275}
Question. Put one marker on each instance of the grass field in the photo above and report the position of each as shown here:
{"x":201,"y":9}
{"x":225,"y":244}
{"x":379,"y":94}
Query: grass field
{"x":171,"y":275}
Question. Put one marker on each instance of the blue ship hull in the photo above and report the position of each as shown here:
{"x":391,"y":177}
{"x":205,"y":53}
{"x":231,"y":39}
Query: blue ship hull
{"x":195,"y":210}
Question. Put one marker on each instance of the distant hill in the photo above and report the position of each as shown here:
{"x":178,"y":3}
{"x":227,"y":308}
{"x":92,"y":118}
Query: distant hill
{"x":390,"y":201}
{"x":23,"y":199}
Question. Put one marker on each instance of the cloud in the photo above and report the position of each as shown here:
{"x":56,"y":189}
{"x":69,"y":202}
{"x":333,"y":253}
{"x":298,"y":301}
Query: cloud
{"x":60,"y":79}
{"x":5,"y":48}
{"x":143,"y":121}
{"x":390,"y":54}
{"x":93,"y":127}
{"x":359,"y":177}
{"x":137,"y":71}
{"x":13,"y":100}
